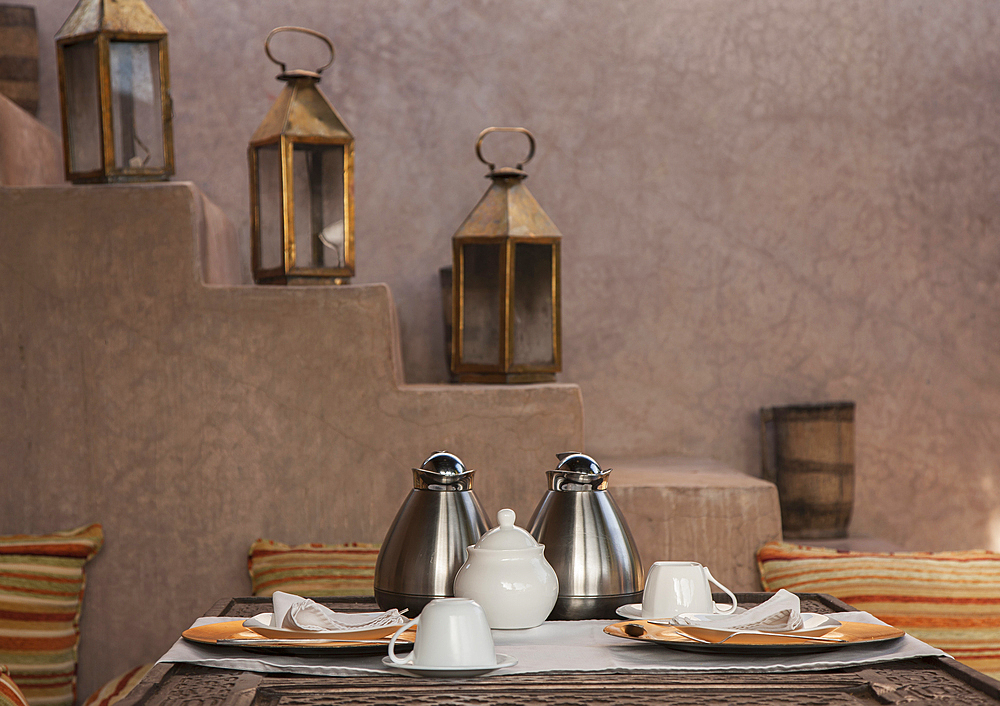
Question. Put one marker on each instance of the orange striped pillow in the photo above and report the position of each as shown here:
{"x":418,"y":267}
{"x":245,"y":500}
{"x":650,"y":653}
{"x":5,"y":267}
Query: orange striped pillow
{"x":947,"y":599}
{"x":41,"y":593}
{"x":10,"y":695}
{"x":118,"y":688}
{"x":312,"y":569}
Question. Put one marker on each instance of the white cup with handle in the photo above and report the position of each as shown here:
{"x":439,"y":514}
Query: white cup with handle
{"x":675,"y":587}
{"x":451,"y":632}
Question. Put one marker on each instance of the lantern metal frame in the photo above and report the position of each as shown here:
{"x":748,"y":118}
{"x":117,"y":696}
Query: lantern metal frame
{"x":534,"y":227}
{"x":505,"y":371}
{"x":316,"y":122}
{"x":103,"y":22}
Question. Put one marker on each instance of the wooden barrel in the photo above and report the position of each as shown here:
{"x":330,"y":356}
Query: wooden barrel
{"x":808,"y":452}
{"x":19,"y":56}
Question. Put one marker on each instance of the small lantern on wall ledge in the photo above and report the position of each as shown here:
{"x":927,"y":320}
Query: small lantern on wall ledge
{"x":301,"y":183}
{"x":114,"y":93}
{"x":505,"y":284}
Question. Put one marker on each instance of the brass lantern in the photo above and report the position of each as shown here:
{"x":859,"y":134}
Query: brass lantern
{"x":302,"y":184}
{"x":505,"y":283}
{"x":114,"y":93}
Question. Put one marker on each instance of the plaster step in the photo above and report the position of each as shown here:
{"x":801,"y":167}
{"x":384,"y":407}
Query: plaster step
{"x":30,"y":153}
{"x":694,"y":509}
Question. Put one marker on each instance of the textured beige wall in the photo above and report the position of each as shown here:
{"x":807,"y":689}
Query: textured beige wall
{"x":190,"y":420}
{"x":30,"y":153}
{"x":763,"y":202}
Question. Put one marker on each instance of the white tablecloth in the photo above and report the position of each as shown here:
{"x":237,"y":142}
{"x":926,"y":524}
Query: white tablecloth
{"x":580,"y":645}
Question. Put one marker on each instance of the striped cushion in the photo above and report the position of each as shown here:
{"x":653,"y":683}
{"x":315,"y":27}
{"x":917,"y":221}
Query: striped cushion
{"x":41,"y":592}
{"x":10,"y":695}
{"x":118,"y":688}
{"x":947,"y":599}
{"x":313,"y":569}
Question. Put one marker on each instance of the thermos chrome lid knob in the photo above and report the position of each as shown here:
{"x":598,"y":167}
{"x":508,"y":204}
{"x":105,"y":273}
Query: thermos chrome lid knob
{"x":577,"y":462}
{"x":443,"y":462}
{"x":443,"y":471}
{"x":578,"y":471}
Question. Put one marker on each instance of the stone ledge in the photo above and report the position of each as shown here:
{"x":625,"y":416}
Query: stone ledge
{"x":689,"y":509}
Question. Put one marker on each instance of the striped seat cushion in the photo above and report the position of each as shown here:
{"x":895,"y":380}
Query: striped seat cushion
{"x":10,"y":694}
{"x":118,"y":688}
{"x":41,"y":593}
{"x":313,"y":569}
{"x":947,"y":599}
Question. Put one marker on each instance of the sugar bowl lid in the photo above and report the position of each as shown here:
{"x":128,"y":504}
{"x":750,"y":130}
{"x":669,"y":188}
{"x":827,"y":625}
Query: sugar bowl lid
{"x":506,"y":535}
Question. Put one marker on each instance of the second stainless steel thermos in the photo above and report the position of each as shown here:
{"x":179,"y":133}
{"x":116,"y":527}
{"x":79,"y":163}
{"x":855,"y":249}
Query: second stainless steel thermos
{"x":426,"y":543}
{"x":587,"y":542}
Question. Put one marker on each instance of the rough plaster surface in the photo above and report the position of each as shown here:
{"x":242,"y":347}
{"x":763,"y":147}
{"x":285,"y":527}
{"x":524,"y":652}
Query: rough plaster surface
{"x":764,"y":202}
{"x":190,"y":419}
{"x":30,"y":153}
{"x":685,"y":509}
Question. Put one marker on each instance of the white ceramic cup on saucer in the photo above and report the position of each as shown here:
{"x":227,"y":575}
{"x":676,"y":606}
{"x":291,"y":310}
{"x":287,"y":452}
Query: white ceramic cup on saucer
{"x":675,"y":587}
{"x":451,"y":632}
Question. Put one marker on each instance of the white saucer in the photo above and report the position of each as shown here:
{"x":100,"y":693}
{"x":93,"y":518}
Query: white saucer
{"x":633,"y":611}
{"x":446,"y":672}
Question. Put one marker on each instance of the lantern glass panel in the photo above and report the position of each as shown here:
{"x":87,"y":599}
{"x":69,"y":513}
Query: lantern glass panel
{"x":533,"y":344}
{"x":136,"y":111}
{"x":271,"y":243}
{"x":83,"y":106}
{"x":318,"y":181}
{"x":481,"y":291}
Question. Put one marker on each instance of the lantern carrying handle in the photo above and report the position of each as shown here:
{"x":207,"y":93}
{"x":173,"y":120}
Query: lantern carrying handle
{"x":303,"y":30}
{"x":487,"y":131}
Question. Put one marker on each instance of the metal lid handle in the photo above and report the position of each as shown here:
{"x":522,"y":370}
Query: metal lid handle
{"x":303,"y":30}
{"x":487,"y":131}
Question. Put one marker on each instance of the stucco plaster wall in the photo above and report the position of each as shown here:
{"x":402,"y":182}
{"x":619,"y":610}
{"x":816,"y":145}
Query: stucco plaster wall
{"x":763,"y":202}
{"x":190,"y":419}
{"x":30,"y":153}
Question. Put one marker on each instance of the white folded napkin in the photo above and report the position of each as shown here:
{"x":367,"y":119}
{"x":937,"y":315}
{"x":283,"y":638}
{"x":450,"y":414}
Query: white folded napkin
{"x":297,"y":613}
{"x":779,"y":613}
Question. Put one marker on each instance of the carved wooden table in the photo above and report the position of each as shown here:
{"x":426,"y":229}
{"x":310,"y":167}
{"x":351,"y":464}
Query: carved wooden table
{"x":930,"y":680}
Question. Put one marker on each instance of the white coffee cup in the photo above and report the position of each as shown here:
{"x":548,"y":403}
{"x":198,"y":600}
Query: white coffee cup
{"x":451,"y":632}
{"x":675,"y":587}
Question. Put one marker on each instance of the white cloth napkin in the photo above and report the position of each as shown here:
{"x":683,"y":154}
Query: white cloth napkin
{"x":779,"y":613}
{"x":297,"y":613}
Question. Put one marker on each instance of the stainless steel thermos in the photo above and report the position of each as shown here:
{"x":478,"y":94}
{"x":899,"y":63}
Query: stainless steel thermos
{"x":425,"y":545}
{"x":587,"y":542}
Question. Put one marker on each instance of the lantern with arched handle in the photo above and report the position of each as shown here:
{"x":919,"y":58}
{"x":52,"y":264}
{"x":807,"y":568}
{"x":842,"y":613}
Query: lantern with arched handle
{"x":505,"y":285}
{"x":302,"y":183}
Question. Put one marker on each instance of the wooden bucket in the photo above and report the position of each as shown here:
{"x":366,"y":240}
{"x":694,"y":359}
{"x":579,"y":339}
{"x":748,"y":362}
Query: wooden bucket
{"x":808,"y":452}
{"x":19,"y":56}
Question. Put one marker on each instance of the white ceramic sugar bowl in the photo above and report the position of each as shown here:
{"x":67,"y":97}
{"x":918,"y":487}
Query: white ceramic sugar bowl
{"x":506,"y":573}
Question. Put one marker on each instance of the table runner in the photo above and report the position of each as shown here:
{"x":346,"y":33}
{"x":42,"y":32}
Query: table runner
{"x":579,"y":645}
